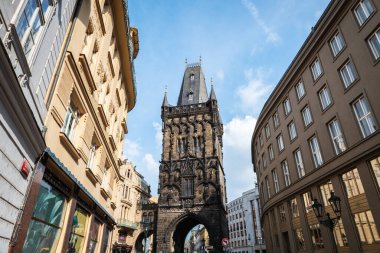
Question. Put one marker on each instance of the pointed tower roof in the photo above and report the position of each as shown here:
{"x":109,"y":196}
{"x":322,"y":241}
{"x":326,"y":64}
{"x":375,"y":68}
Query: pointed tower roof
{"x":193,"y":89}
{"x":165,"y":101}
{"x":212,"y":92}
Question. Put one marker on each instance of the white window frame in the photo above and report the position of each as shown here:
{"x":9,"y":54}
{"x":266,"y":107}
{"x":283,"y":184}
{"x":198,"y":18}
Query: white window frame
{"x":316,"y":151}
{"x":366,"y":7}
{"x":365,"y":119}
{"x":268,"y":186}
{"x":275,"y":181}
{"x":337,"y":136}
{"x":374,"y":44}
{"x":91,"y":157}
{"x":325,"y":97}
{"x":70,"y":123}
{"x":316,"y":69}
{"x":348,"y":74}
{"x":271,"y":152}
{"x":285,"y":170}
{"x":276,"y":120}
{"x":261,"y":141}
{"x":300,"y":90}
{"x":292,"y":130}
{"x":287,"y":106}
{"x":337,"y":43}
{"x":280,"y":143}
{"x":306,"y":116}
{"x":267,"y":131}
{"x":299,"y":163}
{"x":263,"y":158}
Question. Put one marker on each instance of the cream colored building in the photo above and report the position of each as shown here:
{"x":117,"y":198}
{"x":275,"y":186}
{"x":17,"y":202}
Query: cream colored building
{"x":72,"y":204}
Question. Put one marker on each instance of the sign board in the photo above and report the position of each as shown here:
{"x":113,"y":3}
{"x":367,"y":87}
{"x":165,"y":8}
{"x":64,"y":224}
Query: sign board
{"x":225,"y":242}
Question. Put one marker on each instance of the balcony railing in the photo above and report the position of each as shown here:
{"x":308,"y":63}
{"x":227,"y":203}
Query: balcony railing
{"x":127,"y":224}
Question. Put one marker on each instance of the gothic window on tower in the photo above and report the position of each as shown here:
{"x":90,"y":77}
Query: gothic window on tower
{"x":200,"y":140}
{"x":188,"y":190}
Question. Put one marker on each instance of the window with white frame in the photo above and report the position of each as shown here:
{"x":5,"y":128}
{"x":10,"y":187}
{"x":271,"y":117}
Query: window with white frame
{"x":91,"y":157}
{"x":316,"y":69}
{"x":275,"y":180}
{"x":363,"y":10}
{"x":348,"y":74}
{"x":374,"y":44}
{"x":287,"y":107}
{"x":337,"y":43}
{"x":364,"y":116}
{"x":306,"y":116}
{"x":280,"y":143}
{"x":71,"y":122}
{"x":315,"y":151}
{"x":32,"y":19}
{"x":324,"y":97}
{"x":267,"y":131}
{"x":261,"y":140}
{"x":292,"y":130}
{"x":276,"y":120}
{"x":299,"y":163}
{"x":268,"y":186}
{"x":264,"y":159}
{"x":285,"y":170}
{"x":337,"y":136}
{"x":270,"y":152}
{"x":300,"y":90}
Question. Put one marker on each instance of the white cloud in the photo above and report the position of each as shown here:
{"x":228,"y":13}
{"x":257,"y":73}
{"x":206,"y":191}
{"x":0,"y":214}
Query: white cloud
{"x":238,"y":133}
{"x":255,"y":91}
{"x":131,"y":149}
{"x":271,"y":36}
{"x":158,"y":133}
{"x":150,"y":163}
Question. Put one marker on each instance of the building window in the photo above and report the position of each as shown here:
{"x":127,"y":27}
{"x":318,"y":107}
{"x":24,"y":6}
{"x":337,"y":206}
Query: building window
{"x":280,"y":143}
{"x":300,"y":90}
{"x":276,"y":120}
{"x":267,"y":131}
{"x":285,"y":169}
{"x":106,"y":234}
{"x":188,"y":187}
{"x":71,"y":122}
{"x":46,"y":223}
{"x":353,"y":183}
{"x":275,"y":180}
{"x":315,"y":151}
{"x":324,"y":97}
{"x":294,"y":208}
{"x":78,"y":230}
{"x":268,"y":186}
{"x":292,"y":130}
{"x":363,"y":10}
{"x":192,"y":77}
{"x":270,"y":152}
{"x":326,"y":190}
{"x":337,"y":44}
{"x":375,"y":164}
{"x":94,"y":231}
{"x":364,"y":116}
{"x":348,"y":74}
{"x":261,"y":140}
{"x":366,"y":227}
{"x":264,"y":159}
{"x":287,"y":106}
{"x":337,"y":136}
{"x":282,"y":213}
{"x":300,"y":240}
{"x":91,"y":157}
{"x":307,"y":200}
{"x":30,"y":23}
{"x":374,"y":43}
{"x":316,"y":69}
{"x":316,"y":236}
{"x":306,"y":116}
{"x":299,"y":163}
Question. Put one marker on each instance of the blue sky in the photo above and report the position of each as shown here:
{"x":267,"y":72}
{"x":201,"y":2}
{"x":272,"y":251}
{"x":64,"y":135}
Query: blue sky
{"x":245,"y":45}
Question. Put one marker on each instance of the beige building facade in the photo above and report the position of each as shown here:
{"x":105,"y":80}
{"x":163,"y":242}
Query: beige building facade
{"x":72,"y":205}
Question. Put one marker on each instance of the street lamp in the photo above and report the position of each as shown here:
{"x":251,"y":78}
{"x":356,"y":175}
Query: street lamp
{"x":326,"y":220}
{"x":146,"y":225}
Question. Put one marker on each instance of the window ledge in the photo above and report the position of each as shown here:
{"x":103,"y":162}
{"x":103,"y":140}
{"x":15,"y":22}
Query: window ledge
{"x":112,"y":141}
{"x":87,"y":72}
{"x":91,"y":175}
{"x":102,"y":115}
{"x":69,"y":145}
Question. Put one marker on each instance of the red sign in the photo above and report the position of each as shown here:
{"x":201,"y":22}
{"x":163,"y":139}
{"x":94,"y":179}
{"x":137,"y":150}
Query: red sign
{"x":225,"y":242}
{"x":25,"y":168}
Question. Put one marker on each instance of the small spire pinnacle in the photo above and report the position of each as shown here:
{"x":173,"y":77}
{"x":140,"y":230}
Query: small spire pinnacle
{"x":166,"y":89}
{"x":212,"y":82}
{"x":212,"y":92}
{"x":185,"y":61}
{"x":200,"y":60}
{"x":165,"y":102}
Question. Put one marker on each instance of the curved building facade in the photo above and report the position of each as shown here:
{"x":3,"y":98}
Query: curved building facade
{"x":319,"y":132}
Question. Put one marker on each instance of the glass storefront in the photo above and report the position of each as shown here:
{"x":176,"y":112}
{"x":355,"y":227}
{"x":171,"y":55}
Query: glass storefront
{"x":46,"y":223}
{"x":78,"y":230}
{"x":94,"y":231}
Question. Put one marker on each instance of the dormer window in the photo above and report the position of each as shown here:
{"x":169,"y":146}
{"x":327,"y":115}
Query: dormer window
{"x":192,"y":77}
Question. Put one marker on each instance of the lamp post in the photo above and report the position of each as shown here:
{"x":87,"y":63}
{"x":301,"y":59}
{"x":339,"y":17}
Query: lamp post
{"x":146,"y":225}
{"x":325,"y":219}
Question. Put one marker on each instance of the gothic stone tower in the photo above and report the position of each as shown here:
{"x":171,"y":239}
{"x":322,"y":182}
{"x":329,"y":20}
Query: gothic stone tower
{"x":191,"y":184}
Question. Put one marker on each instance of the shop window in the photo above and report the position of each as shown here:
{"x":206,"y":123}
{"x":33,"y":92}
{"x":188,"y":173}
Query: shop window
{"x":366,"y":227}
{"x":294,"y":208}
{"x":106,"y":234}
{"x":94,"y":234}
{"x":45,"y":226}
{"x":316,"y":236}
{"x":353,"y":183}
{"x":300,"y":239}
{"x":375,"y":164}
{"x":78,"y":230}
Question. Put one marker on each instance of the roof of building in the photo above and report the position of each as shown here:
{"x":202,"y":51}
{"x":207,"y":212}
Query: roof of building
{"x":193,"y":89}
